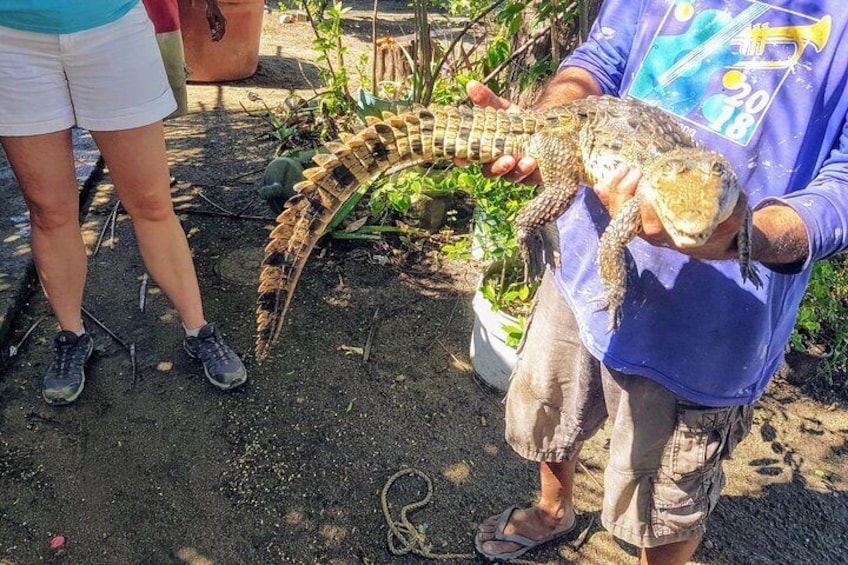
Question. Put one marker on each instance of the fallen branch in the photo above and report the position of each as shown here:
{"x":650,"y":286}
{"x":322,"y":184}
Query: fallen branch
{"x":369,"y":341}
{"x":133,"y":365}
{"x":213,"y":203}
{"x":112,"y":229}
{"x":109,"y":220}
{"x":247,"y":174}
{"x":591,"y":475}
{"x":13,"y":349}
{"x":142,"y":293}
{"x":103,"y":327}
{"x":247,"y":207}
{"x":226,"y":183}
{"x":460,"y":363}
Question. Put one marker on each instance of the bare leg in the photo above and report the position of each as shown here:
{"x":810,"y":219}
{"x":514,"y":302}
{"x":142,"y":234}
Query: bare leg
{"x":671,"y":554}
{"x":553,"y":512}
{"x":139,"y":166}
{"x":43,"y":165}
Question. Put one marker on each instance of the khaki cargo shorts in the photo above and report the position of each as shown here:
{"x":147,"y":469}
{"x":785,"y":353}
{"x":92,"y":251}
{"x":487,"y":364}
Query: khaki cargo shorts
{"x":664,"y":474}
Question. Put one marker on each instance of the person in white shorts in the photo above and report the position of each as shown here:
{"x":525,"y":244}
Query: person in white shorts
{"x":95,"y":64}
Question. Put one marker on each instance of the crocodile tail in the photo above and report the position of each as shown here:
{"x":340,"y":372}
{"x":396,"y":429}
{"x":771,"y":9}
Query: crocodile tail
{"x":349,"y":162}
{"x":392,"y":143}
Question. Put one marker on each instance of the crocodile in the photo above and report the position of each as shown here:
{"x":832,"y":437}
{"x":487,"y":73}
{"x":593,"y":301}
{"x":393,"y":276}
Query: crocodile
{"x":581,"y":143}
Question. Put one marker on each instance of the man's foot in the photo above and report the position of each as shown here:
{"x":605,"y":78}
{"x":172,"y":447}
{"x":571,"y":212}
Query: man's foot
{"x":516,"y":531}
{"x":222,"y":366}
{"x":65,"y":377}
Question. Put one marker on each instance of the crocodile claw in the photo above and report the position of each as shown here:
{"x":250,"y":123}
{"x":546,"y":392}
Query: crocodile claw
{"x":613,"y":309}
{"x":750,"y":272}
{"x":540,"y":250}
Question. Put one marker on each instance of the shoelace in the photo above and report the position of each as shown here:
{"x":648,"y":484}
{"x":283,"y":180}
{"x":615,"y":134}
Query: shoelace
{"x":66,"y":355}
{"x":217,"y":351}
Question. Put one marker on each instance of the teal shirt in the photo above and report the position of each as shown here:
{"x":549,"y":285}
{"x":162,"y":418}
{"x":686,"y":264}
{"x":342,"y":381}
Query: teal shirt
{"x":61,"y":16}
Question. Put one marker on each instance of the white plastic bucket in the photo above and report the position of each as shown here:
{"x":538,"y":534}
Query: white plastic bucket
{"x":493,"y":360}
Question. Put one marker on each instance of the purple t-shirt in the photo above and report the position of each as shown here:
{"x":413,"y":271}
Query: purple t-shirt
{"x":763,"y":83}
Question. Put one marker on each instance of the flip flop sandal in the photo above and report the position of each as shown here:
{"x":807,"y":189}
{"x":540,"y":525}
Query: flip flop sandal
{"x":526,"y":543}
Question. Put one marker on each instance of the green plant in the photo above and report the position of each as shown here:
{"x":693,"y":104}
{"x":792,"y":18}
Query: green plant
{"x":397,"y":193}
{"x":822,"y":322}
{"x":514,"y":332}
{"x":497,"y":205}
{"x":336,"y":100}
{"x":426,"y":64}
{"x":506,"y":288}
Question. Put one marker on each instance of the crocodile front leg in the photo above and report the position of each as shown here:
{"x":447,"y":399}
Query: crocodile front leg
{"x":743,"y":242}
{"x":559,"y":165}
{"x":611,"y":261}
{"x":537,"y":237}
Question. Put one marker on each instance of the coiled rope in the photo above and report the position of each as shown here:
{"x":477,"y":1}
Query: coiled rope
{"x":404,"y":537}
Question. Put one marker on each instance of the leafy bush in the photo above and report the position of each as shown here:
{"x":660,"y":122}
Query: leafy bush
{"x":822,"y":324}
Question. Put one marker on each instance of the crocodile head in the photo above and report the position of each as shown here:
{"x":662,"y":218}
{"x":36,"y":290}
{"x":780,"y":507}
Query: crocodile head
{"x":693,"y":191}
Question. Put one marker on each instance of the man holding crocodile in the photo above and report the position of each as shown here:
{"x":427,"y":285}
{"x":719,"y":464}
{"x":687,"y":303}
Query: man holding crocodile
{"x":762,"y":83}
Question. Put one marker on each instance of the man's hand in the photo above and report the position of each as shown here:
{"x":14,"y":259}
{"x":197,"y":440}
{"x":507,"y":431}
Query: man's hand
{"x":515,"y":170}
{"x":568,"y":85}
{"x":217,"y":21}
{"x":721,"y":245}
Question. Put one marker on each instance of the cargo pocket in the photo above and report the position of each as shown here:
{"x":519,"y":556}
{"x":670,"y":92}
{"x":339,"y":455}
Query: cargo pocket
{"x":699,"y":439}
{"x":679,"y":506}
{"x":687,"y":488}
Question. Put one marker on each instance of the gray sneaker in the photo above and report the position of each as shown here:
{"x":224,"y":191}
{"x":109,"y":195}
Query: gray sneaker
{"x":222,"y":366}
{"x":65,"y":377}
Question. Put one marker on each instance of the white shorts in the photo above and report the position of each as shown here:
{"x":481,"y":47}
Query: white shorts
{"x":103,"y":79}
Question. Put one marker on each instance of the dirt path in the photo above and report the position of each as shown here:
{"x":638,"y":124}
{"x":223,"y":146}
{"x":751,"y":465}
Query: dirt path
{"x":160,"y":468}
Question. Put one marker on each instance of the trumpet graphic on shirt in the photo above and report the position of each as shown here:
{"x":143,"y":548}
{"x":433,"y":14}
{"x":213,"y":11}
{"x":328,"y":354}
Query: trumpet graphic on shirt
{"x":754,"y":42}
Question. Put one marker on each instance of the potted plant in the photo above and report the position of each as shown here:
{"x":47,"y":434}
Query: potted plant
{"x":500,"y":304}
{"x":503,"y":297}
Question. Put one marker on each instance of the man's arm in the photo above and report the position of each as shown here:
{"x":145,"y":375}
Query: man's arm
{"x":779,"y":239}
{"x":570,"y":84}
{"x":821,"y":210}
{"x":792,"y":231}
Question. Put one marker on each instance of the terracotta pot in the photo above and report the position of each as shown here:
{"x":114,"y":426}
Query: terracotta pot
{"x":236,"y":56}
